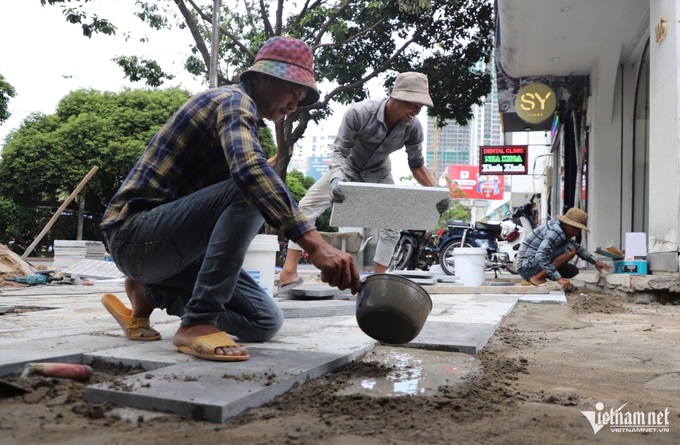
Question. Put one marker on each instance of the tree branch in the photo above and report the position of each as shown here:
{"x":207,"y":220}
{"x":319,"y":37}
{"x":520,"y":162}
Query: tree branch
{"x":328,"y":22}
{"x":268,"y":31}
{"x":194,"y":28}
{"x":355,"y":36}
{"x":279,"y":17}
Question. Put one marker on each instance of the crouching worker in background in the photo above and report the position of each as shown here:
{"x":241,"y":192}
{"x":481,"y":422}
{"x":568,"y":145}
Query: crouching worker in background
{"x":547,"y":251}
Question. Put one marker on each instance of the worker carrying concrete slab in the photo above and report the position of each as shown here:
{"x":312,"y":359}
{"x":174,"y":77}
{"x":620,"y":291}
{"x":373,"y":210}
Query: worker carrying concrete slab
{"x":370,"y":131}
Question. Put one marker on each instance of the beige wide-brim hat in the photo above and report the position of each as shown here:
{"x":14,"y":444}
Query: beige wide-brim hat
{"x":575,"y":217}
{"x":412,"y":87}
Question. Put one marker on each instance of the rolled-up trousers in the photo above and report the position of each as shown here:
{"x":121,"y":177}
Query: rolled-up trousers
{"x":189,"y":253}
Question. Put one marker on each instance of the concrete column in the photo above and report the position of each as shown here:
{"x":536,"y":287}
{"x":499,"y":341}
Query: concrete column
{"x":608,"y":151}
{"x":664,"y":130}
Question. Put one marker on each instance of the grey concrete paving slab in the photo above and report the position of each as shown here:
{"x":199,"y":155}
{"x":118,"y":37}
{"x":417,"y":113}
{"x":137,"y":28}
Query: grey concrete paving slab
{"x":304,"y":308}
{"x":468,"y":338}
{"x":336,"y":335}
{"x":216,"y":391}
{"x":483,"y":309}
{"x":555,"y":297}
{"x":94,"y":269}
{"x":313,"y":292}
{"x":386,"y":204}
{"x":455,"y":288}
{"x":317,"y":336}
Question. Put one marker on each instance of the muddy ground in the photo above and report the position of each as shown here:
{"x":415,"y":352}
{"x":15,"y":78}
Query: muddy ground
{"x":545,"y":365}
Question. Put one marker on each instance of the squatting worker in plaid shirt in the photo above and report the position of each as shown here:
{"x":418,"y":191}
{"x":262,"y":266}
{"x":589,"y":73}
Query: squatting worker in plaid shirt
{"x":181,"y":223}
{"x":546,"y":251}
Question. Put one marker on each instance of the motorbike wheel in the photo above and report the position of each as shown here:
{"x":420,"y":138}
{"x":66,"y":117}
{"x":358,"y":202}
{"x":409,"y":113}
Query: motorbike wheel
{"x":402,"y":256}
{"x":446,"y":255}
{"x":512,"y":266}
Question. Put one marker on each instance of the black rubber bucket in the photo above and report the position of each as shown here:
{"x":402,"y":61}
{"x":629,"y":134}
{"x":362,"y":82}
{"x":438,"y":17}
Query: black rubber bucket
{"x":392,"y":309}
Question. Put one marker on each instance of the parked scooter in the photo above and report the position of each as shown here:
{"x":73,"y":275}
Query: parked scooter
{"x":416,"y":249}
{"x":461,"y":234}
{"x":515,"y":229}
{"x":420,"y":249}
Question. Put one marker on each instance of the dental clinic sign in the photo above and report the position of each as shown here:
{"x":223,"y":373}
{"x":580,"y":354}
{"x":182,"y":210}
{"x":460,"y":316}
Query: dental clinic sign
{"x":503,"y":159}
{"x":535,"y":103}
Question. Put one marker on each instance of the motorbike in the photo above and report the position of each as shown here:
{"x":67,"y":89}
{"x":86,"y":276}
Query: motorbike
{"x":462,"y":234}
{"x":420,"y":249}
{"x":416,"y":249}
{"x":514,"y":230}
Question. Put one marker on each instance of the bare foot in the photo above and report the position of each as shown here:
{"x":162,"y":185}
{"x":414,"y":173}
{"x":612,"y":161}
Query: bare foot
{"x":140,"y":305}
{"x":536,"y":282}
{"x":135,"y":293}
{"x":286,"y":278}
{"x":185,"y":334}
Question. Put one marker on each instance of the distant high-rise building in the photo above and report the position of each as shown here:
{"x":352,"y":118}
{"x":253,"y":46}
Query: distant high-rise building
{"x":458,"y":144}
{"x":312,"y":154}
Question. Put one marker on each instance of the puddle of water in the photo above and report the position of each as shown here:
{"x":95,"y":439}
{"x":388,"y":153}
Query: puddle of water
{"x":414,"y":372}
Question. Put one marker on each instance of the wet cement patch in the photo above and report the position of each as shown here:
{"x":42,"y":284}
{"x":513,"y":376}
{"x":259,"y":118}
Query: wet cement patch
{"x":413,"y":372}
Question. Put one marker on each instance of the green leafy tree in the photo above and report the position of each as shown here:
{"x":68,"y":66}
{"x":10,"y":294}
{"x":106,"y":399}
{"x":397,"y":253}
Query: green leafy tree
{"x":456,"y":211}
{"x":48,"y":155}
{"x":267,"y":141}
{"x":354,"y":41}
{"x":7,"y":92}
{"x":298,"y":184}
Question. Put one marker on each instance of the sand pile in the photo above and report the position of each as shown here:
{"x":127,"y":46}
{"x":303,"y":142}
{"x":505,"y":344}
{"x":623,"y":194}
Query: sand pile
{"x":12,"y":264}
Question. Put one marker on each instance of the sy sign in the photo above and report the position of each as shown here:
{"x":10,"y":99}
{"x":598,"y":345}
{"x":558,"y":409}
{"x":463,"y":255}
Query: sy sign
{"x":535,"y":103}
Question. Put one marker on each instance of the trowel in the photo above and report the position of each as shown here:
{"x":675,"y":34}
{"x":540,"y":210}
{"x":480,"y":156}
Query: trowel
{"x":8,"y":389}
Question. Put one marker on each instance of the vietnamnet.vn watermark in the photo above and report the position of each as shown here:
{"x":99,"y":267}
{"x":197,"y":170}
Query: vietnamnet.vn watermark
{"x":620,"y":421}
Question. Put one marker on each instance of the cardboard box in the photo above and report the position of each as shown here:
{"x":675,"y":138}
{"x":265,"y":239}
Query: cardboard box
{"x":631,"y":267}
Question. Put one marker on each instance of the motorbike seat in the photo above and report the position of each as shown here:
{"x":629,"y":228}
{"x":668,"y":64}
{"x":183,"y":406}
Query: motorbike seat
{"x":486,"y":226}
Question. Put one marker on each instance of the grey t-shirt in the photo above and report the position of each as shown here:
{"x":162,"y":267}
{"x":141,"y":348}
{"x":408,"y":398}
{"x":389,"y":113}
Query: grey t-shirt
{"x":363,"y":144}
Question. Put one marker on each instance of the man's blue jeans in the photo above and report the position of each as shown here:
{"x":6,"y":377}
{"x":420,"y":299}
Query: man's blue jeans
{"x":188,"y":254}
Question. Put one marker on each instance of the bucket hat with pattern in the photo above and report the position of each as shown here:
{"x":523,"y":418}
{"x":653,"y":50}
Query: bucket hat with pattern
{"x":288,"y":59}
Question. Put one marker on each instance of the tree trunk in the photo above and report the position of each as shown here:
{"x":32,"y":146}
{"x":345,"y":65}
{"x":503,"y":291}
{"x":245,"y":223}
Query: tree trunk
{"x":81,"y":217}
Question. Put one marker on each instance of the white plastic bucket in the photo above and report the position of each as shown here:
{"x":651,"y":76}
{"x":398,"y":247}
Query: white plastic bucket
{"x":260,"y":261}
{"x":470,"y":264}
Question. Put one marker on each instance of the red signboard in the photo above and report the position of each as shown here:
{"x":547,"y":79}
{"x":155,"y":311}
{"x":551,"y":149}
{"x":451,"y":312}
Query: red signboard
{"x":467,"y":179}
{"x":503,"y":159}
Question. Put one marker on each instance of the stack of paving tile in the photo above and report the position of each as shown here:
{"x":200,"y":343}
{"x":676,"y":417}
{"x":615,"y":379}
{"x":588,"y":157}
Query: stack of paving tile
{"x":67,"y":252}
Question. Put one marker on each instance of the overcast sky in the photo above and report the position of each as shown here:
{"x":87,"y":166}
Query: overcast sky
{"x":44,"y":58}
{"x":39,"y":48}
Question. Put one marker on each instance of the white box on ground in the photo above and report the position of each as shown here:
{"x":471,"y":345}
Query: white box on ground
{"x":387,"y":206}
{"x":636,"y":244}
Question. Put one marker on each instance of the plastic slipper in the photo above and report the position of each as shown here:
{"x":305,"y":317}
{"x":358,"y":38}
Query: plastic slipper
{"x":204,"y":347}
{"x":133,"y":327}
{"x":289,"y":286}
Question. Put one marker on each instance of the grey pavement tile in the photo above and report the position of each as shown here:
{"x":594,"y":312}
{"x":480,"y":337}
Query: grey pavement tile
{"x":215,"y":391}
{"x":318,"y":335}
{"x":469,"y":338}
{"x":313,"y":292}
{"x":386,"y":204}
{"x":555,"y":297}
